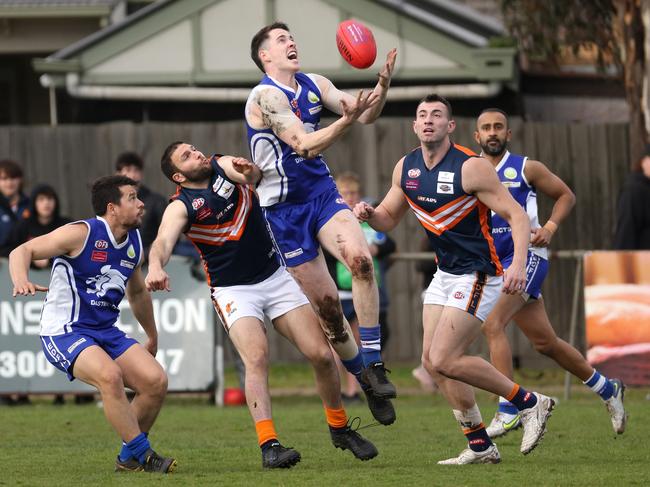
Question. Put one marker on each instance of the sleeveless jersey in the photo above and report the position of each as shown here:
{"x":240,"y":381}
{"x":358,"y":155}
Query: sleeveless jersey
{"x":228,"y":228}
{"x":511,"y":173}
{"x":287,"y":177}
{"x":457,"y":223}
{"x":86,"y":290}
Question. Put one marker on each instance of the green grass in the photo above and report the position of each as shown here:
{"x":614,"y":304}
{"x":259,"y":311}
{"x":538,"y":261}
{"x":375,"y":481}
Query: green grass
{"x":46,"y":445}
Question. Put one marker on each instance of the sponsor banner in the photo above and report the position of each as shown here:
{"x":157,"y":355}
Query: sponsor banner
{"x":185,"y":320}
{"x":617,"y":314}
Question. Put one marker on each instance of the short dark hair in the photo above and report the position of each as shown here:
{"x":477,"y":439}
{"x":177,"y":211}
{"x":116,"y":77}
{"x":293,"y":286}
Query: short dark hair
{"x":126,"y":159}
{"x":11,"y":169}
{"x":106,"y":190}
{"x":434,"y":97}
{"x":259,"y":38}
{"x":166,"y":164}
{"x":494,"y":110}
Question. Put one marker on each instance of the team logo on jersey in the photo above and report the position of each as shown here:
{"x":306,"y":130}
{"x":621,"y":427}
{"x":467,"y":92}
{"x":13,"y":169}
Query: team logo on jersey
{"x":414,"y":173}
{"x":108,"y":279}
{"x":130,"y":252}
{"x":101,"y":244}
{"x":296,"y":110}
{"x":445,"y":188}
{"x":459,"y":295}
{"x":198,"y":203}
{"x":510,"y":173}
{"x":312,"y":97}
{"x":99,"y":256}
{"x":446,"y":177}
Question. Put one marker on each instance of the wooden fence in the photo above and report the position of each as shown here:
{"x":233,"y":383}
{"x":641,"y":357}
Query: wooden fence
{"x":592,"y":159}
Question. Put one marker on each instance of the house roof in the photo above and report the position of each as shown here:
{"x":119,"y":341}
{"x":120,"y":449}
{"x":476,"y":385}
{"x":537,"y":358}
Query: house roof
{"x":206,"y":43}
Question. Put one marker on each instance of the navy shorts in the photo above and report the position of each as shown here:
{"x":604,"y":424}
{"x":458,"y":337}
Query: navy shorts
{"x":62,"y":350}
{"x":295,"y":226}
{"x":536,"y":271}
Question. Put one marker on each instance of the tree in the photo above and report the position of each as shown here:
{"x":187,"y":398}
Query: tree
{"x":615,"y":28}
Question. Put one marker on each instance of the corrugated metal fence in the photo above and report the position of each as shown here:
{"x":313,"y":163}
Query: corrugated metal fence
{"x":592,"y":159}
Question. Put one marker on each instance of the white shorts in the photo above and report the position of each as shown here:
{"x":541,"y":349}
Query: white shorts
{"x":273,"y":297}
{"x":475,"y":293}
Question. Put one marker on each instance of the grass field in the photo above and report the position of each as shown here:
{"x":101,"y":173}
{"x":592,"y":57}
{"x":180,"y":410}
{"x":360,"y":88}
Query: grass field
{"x":73,"y":445}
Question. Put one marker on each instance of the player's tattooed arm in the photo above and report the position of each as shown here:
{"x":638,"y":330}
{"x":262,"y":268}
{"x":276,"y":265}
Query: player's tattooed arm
{"x":275,"y":111}
{"x":278,"y":116}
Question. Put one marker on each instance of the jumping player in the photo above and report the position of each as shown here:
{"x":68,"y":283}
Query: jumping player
{"x":524,"y":177}
{"x":97,"y":262}
{"x":301,"y":203}
{"x":217,"y":208}
{"x":450,"y":191}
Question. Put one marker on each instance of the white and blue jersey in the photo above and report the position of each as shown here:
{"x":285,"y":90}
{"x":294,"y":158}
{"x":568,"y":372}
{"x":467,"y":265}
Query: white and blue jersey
{"x":86,"y":290}
{"x":511,"y":173}
{"x":287,"y":177}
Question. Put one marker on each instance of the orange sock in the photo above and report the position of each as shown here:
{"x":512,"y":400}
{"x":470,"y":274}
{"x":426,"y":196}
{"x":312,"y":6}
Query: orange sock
{"x":336,"y":418}
{"x":265,"y":431}
{"x":513,"y":392}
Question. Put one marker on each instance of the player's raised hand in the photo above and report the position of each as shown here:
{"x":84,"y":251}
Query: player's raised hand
{"x":27,"y":288}
{"x":363,"y":211}
{"x":386,"y":72}
{"x":157,"y":280}
{"x":362,"y":102}
{"x":540,"y":237}
{"x":514,"y":279}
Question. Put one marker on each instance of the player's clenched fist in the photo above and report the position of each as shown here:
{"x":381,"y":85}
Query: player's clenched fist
{"x":363,"y":211}
{"x":157,"y":280}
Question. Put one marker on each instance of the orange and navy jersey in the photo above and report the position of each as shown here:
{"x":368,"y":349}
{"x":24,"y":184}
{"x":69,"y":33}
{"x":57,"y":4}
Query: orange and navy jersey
{"x":457,"y":223}
{"x":226,"y":224}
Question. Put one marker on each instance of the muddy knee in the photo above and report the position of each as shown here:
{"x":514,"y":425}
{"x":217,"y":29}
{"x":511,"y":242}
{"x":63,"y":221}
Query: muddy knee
{"x":361,"y":268}
{"x":331,"y":317}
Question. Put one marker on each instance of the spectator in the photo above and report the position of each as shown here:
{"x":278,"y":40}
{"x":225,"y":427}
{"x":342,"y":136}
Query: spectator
{"x":381,"y":246}
{"x":131,"y":165}
{"x":43,"y":218}
{"x":14,"y":204}
{"x":633,"y":211}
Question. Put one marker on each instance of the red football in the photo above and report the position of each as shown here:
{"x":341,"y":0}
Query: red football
{"x":233,"y":396}
{"x":356,"y":44}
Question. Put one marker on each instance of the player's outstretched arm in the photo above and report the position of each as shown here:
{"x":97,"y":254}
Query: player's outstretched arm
{"x":66,"y":240}
{"x":480,"y":179}
{"x":173,"y":222}
{"x":275,"y":113}
{"x":392,"y":208}
{"x":140,"y":301}
{"x":240,"y":170}
{"x":332,"y":96}
{"x":543,"y":179}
